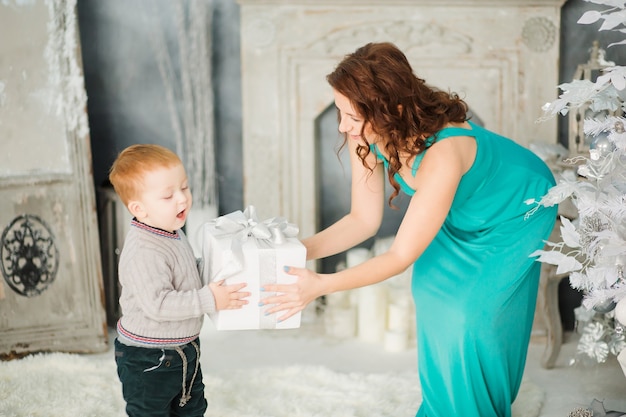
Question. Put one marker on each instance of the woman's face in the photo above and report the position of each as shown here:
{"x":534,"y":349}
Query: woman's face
{"x":350,"y":122}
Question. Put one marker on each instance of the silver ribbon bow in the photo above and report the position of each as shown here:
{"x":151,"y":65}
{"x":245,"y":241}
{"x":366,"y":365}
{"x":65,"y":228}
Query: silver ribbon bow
{"x":241,"y":226}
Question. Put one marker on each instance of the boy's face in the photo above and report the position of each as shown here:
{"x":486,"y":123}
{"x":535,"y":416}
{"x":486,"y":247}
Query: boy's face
{"x":165,"y":200}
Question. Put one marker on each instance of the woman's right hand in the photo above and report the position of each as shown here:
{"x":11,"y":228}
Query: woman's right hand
{"x":293,"y":298}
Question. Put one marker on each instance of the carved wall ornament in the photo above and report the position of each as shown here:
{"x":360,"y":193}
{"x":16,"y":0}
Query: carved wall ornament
{"x":30,"y":257}
{"x":428,"y":37}
{"x":539,"y":34}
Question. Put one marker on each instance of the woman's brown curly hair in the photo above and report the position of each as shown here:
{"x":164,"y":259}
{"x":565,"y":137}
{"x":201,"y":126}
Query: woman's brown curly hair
{"x":401,"y":108}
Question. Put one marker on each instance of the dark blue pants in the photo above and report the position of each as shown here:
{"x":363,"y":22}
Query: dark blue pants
{"x":152,"y":381}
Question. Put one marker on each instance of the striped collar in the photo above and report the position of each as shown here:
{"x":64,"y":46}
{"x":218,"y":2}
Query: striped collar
{"x":155,"y":230}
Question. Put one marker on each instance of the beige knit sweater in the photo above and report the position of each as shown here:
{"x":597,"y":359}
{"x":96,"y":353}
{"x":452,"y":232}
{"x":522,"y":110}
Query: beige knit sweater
{"x":163,"y":301}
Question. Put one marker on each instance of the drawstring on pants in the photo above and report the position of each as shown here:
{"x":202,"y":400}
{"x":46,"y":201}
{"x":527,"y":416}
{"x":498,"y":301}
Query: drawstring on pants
{"x":186,"y":395}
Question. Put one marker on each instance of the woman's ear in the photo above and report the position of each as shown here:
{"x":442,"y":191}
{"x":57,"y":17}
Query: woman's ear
{"x":400,"y":108}
{"x":136,"y":209}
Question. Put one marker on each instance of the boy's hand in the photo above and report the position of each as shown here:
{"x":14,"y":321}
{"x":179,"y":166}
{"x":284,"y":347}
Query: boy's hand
{"x":228,"y":297}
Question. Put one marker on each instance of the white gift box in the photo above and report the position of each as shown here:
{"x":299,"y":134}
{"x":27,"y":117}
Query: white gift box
{"x":238,"y":248}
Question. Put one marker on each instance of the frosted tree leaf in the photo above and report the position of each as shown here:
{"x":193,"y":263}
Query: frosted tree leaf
{"x":557,"y":106}
{"x":553,"y":244}
{"x":618,"y":81}
{"x":558,"y":193}
{"x":616,"y":75}
{"x":617,"y":43}
{"x":563,"y":262}
{"x":600,"y":278}
{"x":569,"y":264}
{"x":610,"y":3}
{"x":540,"y":252}
{"x":569,"y":175}
{"x":606,"y":99}
{"x":569,"y":234}
{"x":586,"y":202}
{"x":613,"y":20}
{"x":589,"y":17}
{"x":576,"y":93}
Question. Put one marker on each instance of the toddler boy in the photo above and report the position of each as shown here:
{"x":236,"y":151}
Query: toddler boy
{"x":163,"y":300}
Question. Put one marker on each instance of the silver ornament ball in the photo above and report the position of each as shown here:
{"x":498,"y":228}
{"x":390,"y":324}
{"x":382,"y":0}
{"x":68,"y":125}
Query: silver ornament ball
{"x":605,"y":306}
{"x":602,"y":144}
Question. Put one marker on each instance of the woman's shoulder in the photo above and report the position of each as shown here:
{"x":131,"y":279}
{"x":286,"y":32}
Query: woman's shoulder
{"x":466,"y":128}
{"x":457,"y":140}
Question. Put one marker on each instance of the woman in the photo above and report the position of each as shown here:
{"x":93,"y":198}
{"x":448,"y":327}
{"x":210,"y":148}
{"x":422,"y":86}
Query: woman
{"x":467,"y":230}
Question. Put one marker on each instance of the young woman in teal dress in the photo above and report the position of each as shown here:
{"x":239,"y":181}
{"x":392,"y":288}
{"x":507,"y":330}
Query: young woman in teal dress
{"x":468,"y":230}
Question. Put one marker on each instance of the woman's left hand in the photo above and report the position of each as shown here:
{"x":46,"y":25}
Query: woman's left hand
{"x":293,"y":298}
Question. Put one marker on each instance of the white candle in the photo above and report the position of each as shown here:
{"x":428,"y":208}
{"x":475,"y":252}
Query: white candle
{"x":339,"y":299}
{"x":340,"y":322}
{"x":372,"y":313}
{"x":397,"y":317}
{"x":395,"y":341}
{"x":357,"y":256}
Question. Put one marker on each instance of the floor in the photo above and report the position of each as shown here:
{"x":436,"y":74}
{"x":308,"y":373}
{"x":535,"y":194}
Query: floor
{"x":567,"y":386}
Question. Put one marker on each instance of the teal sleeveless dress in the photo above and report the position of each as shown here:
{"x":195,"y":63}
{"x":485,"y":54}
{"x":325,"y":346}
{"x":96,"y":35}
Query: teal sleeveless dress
{"x":475,"y":287}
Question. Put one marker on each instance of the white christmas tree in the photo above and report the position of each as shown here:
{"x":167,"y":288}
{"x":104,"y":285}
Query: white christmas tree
{"x":593,"y":246}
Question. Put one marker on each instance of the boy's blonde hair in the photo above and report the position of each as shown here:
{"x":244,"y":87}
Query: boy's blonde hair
{"x":132,"y":163}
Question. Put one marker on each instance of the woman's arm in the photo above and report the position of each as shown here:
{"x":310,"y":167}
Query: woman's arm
{"x":435,"y":183}
{"x":366,"y":211}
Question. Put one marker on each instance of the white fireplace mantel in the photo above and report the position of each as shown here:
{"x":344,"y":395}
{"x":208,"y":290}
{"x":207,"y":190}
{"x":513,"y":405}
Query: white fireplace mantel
{"x":412,"y":3}
{"x":500,"y":55}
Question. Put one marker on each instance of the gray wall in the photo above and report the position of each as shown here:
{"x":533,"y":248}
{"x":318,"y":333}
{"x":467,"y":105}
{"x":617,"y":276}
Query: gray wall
{"x":126,"y":94}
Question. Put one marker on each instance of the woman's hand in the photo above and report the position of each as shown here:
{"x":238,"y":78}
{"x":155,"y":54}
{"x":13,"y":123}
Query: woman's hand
{"x":293,"y":298}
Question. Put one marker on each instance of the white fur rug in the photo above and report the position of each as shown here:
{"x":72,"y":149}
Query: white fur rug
{"x":67,"y":385}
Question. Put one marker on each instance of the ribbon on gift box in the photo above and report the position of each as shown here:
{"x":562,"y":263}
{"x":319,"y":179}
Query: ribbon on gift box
{"x":242,"y":226}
